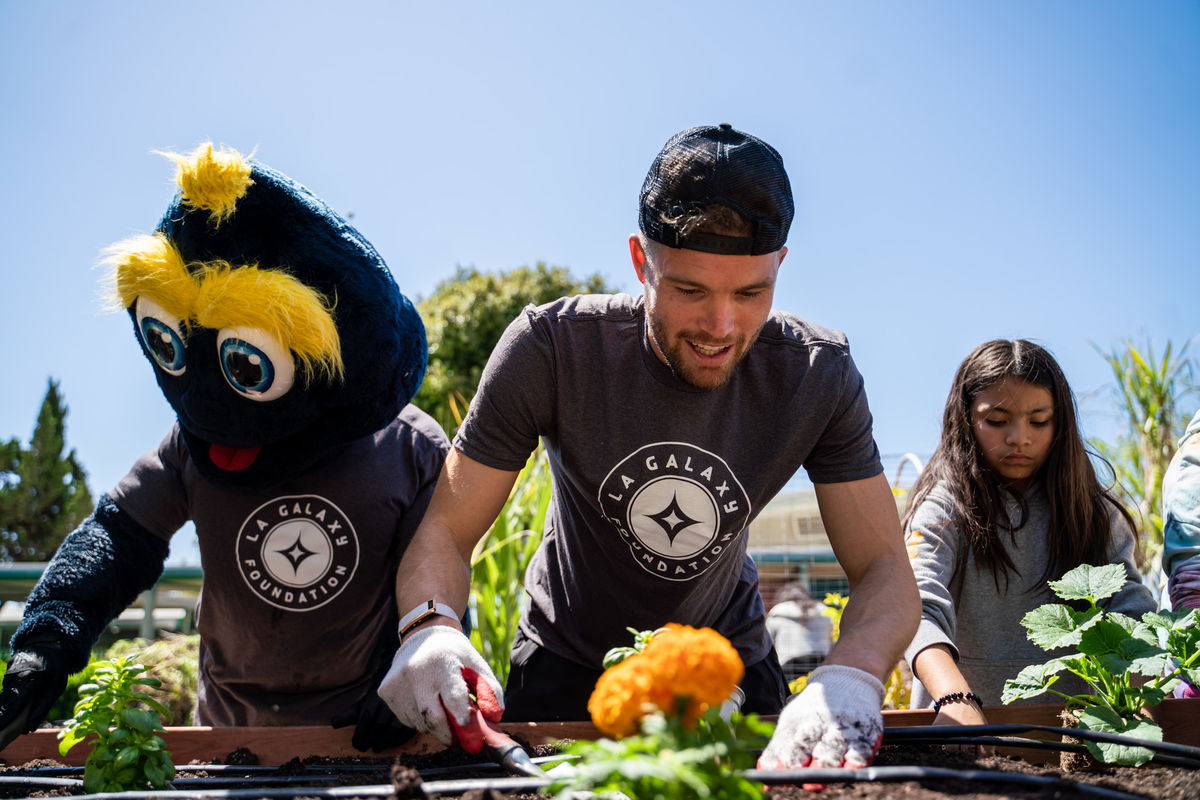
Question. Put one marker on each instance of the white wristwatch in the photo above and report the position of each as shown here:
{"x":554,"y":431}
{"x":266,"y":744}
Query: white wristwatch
{"x":430,"y":608}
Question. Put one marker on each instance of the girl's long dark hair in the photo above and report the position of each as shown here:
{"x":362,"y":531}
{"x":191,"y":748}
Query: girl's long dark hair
{"x":1080,"y":507}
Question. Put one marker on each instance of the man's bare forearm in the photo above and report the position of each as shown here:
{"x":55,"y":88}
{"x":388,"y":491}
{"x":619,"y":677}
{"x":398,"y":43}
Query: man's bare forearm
{"x":433,"y":568}
{"x":879,"y":620}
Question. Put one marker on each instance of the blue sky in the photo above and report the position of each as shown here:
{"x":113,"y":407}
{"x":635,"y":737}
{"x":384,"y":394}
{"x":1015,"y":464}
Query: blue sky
{"x":963,"y":171}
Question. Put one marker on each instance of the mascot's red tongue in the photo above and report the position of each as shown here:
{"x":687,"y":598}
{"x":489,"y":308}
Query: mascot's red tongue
{"x":232,"y":459}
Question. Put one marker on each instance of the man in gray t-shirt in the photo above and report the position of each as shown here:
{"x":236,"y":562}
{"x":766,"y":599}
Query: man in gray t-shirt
{"x":669,"y":420}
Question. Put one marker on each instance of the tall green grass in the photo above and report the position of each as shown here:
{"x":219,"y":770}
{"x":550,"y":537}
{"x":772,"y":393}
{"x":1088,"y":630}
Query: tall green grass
{"x":499,"y":561}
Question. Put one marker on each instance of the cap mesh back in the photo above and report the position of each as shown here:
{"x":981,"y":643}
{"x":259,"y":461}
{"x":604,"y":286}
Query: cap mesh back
{"x":717,"y":164}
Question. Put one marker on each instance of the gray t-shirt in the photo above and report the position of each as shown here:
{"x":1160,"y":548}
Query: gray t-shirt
{"x":299,"y":579}
{"x":656,"y":481}
{"x":962,"y":608}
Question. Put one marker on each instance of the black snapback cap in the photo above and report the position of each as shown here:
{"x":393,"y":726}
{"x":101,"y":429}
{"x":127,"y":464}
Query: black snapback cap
{"x":717,"y":164}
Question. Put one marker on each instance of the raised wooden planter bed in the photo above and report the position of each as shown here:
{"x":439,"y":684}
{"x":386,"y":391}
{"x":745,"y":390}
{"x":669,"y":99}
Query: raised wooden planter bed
{"x":1180,"y":720}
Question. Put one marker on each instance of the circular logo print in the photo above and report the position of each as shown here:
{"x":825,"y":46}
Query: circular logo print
{"x":677,"y":507}
{"x":297,"y":553}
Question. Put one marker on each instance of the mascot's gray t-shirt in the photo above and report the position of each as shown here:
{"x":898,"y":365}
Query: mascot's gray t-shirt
{"x":299,"y":580}
{"x":656,"y":481}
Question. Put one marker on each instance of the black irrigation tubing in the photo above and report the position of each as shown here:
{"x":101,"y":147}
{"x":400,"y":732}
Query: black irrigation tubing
{"x":1041,"y":744}
{"x":40,"y":783}
{"x":382,"y":790}
{"x":893,"y":774}
{"x":767,"y":777}
{"x":956,"y":734}
{"x":316,"y":769}
{"x":929,"y":732}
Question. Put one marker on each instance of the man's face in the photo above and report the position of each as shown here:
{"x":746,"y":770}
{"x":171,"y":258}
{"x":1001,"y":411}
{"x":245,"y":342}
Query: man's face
{"x":704,"y":310}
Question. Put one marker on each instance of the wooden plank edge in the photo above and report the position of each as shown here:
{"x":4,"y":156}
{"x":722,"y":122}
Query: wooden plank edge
{"x":1180,"y":720}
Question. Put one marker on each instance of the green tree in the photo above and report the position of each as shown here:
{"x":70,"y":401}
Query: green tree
{"x":43,"y":493}
{"x":465,"y":317}
{"x":1151,"y":394}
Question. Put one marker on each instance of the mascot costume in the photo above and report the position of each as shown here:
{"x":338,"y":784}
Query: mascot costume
{"x":280,"y":339}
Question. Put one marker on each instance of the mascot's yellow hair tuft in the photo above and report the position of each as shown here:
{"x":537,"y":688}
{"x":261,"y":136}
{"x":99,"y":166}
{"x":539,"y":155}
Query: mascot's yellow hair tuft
{"x":295,"y":314}
{"x":217,"y":295}
{"x":150,"y":265}
{"x":212,"y":180}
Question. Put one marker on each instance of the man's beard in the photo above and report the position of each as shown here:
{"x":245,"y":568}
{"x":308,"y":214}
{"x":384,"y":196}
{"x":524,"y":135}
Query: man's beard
{"x":707,"y":378}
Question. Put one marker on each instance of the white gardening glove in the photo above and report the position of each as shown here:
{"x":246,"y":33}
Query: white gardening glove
{"x":835,"y":721}
{"x":434,"y":674}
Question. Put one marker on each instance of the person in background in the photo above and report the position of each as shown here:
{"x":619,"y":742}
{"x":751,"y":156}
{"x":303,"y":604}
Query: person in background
{"x":801,"y":631}
{"x":1181,"y":528}
{"x":1008,"y":501}
{"x":670,"y":420}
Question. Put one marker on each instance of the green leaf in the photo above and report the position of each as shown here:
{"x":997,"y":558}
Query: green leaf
{"x":1103,"y":637}
{"x":154,"y":704}
{"x":94,"y":782}
{"x":1053,"y":625}
{"x":1087,"y":582}
{"x":1108,"y":721}
{"x":618,"y":654}
{"x":1032,"y":681}
{"x":126,"y":757}
{"x":68,"y":738}
{"x":140,"y":720}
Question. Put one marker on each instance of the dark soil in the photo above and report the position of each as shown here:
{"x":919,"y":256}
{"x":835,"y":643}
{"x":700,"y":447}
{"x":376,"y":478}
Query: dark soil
{"x":1149,"y":781}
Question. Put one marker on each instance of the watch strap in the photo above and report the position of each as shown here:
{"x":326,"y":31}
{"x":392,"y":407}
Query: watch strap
{"x":430,"y":608}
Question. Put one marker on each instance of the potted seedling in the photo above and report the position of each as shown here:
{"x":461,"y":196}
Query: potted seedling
{"x":127,"y":752}
{"x":1129,"y":665}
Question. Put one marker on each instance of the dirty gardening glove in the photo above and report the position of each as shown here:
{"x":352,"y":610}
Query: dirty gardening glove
{"x":35,"y":678}
{"x":834,"y":722}
{"x":375,"y":726}
{"x":435,"y":679}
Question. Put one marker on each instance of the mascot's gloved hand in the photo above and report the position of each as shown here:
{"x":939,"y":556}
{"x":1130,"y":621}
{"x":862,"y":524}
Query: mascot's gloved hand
{"x":435,"y":679}
{"x":375,"y":726}
{"x":36,"y":676}
{"x":835,"y":721}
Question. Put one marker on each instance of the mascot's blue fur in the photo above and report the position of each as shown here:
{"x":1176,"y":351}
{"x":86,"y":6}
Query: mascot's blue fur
{"x":261,"y":220}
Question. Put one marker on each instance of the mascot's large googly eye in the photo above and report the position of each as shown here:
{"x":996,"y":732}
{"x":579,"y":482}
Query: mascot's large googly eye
{"x":255,"y":364}
{"x":162,"y":335}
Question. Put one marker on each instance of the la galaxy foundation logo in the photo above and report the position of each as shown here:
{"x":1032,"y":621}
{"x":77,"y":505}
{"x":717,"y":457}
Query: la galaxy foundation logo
{"x":677,"y":507}
{"x":297,"y":553}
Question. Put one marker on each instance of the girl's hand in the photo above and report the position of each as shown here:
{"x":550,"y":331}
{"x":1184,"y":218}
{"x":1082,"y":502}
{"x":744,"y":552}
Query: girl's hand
{"x":963,"y":714}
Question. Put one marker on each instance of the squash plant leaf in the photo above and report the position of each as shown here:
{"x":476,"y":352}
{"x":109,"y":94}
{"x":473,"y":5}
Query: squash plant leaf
{"x":1032,"y":681}
{"x":1118,"y":651}
{"x":1053,"y":625}
{"x":1090,"y":583}
{"x":1108,"y":721}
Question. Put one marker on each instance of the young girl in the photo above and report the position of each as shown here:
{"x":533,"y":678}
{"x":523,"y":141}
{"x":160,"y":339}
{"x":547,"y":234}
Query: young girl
{"x":1008,"y":501}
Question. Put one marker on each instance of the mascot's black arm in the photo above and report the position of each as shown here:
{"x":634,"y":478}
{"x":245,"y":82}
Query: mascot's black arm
{"x":98,"y":571}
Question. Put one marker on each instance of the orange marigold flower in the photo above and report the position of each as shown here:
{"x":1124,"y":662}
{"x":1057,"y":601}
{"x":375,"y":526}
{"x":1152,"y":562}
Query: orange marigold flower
{"x":680,"y":662}
{"x":699,"y":664}
{"x":624,"y":694}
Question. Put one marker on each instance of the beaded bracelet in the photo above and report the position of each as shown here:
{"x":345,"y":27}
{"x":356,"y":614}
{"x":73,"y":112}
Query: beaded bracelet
{"x":957,"y":697}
